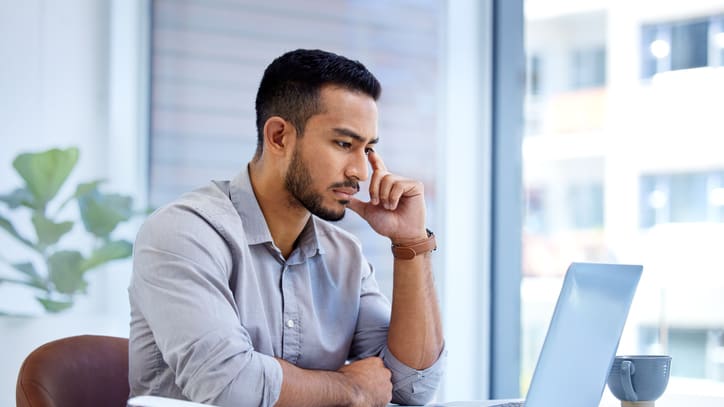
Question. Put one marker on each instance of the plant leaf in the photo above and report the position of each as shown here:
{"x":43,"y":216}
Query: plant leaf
{"x":19,"y":197}
{"x":65,"y":271}
{"x":5,"y":224}
{"x":45,"y":172}
{"x":101,"y":213}
{"x":53,"y":305}
{"x":81,"y":190}
{"x":49,"y":232}
{"x":113,"y":250}
{"x":35,"y":279}
{"x":87,"y":187}
{"x":15,"y":281}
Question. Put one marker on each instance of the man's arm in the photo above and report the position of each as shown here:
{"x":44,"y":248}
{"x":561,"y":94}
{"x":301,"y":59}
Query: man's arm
{"x":364,"y":383}
{"x":180,"y":293}
{"x":397,"y":210}
{"x":415,"y":336}
{"x":180,"y":287}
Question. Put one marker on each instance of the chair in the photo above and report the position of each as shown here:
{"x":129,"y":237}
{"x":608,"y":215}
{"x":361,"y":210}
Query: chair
{"x":79,"y":371}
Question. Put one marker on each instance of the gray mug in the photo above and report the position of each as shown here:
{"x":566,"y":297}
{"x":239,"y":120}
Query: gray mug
{"x":639,"y":378}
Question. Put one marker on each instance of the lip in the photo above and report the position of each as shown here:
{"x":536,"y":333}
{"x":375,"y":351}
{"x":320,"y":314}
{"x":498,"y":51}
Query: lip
{"x":344,"y":193}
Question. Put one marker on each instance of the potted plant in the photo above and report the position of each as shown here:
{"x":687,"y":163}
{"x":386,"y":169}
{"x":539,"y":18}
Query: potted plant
{"x":59,"y":254}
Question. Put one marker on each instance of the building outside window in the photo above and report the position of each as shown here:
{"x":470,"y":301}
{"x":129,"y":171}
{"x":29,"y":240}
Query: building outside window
{"x":625,"y":165}
{"x":680,"y":44}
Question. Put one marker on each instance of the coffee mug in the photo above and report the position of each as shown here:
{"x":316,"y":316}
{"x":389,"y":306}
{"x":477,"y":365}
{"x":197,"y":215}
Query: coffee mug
{"x":639,"y":379}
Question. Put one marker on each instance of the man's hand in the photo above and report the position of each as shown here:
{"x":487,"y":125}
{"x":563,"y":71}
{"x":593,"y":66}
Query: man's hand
{"x":369,"y":381}
{"x":397,"y":205}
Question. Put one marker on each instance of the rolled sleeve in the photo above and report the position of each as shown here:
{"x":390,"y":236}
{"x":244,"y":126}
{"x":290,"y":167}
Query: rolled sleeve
{"x":180,"y":287}
{"x":411,"y":386}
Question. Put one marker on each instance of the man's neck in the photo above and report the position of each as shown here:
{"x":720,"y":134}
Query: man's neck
{"x":285,"y":220}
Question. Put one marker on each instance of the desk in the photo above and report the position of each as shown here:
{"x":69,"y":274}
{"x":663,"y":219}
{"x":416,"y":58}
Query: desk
{"x":608,"y":400}
{"x":669,"y":399}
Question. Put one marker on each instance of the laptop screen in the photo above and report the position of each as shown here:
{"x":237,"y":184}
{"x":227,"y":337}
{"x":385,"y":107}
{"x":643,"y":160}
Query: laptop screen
{"x":583,"y":335}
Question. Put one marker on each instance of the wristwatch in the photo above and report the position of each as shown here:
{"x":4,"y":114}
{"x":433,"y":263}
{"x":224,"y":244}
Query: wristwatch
{"x":409,"y":251}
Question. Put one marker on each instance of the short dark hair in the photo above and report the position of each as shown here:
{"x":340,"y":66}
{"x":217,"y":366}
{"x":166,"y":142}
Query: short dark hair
{"x":291,"y":86}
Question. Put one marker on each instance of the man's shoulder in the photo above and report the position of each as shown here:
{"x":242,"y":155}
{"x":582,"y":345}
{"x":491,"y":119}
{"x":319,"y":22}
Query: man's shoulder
{"x":210,"y":203}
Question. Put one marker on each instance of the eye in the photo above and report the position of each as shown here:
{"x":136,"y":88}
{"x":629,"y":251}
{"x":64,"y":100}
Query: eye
{"x":369,"y":150}
{"x":343,"y":144}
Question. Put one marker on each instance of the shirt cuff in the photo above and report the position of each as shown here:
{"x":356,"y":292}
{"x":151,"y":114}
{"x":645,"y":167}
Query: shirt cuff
{"x":411,"y":386}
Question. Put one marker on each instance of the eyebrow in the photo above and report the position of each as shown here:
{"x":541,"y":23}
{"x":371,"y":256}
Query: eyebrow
{"x":351,"y":134}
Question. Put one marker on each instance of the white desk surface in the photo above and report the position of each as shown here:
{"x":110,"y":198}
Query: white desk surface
{"x":668,"y":400}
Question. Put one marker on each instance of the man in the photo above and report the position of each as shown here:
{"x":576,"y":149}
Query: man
{"x":243,"y":294}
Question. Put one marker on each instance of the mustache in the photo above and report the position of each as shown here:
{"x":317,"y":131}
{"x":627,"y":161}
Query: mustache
{"x":349,"y":183}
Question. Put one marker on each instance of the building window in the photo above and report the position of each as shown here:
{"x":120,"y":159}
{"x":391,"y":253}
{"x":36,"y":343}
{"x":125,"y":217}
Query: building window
{"x":717,"y":43}
{"x":536,"y":221}
{"x":588,"y":67}
{"x":682,"y":197}
{"x":586,"y":206}
{"x":681,"y":45}
{"x":535,"y":65}
{"x":689,"y":45}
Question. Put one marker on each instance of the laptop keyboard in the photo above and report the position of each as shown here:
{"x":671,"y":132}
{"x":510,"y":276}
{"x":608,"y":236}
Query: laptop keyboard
{"x":509,"y":404}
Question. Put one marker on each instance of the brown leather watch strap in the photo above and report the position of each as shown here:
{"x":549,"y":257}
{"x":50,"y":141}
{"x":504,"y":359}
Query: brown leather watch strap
{"x":409,"y":251}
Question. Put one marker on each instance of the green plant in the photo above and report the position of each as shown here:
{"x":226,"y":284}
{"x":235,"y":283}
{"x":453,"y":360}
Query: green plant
{"x":56,"y":272}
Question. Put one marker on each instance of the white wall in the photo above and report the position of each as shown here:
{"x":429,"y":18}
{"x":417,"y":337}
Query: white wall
{"x":54,"y":92}
{"x":53,"y":80}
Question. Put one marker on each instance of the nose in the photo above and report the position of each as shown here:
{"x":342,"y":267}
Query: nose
{"x":358,"y":167}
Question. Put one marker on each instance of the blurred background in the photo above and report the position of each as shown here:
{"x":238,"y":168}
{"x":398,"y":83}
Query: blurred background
{"x":622,"y":162}
{"x":545,"y":132}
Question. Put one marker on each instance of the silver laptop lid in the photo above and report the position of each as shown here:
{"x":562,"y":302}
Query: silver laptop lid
{"x":583,"y":335}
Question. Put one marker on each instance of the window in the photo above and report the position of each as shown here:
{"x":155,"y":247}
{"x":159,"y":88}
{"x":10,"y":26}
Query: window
{"x":535,"y":65}
{"x":689,"y":45}
{"x":588,"y":66}
{"x":672,"y":46}
{"x":717,"y":43}
{"x":640,"y":182}
{"x":586,"y":202}
{"x":681,"y":197}
{"x":208,"y":59}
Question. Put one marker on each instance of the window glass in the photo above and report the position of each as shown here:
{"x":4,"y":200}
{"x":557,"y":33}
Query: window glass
{"x":680,"y":44}
{"x":589,"y":67}
{"x":689,"y":45}
{"x":624,"y":165}
{"x":208,"y":59}
{"x":649,"y":60}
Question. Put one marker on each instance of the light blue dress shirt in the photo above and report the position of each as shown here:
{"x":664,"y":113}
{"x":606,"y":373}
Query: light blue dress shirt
{"x":214,"y":302}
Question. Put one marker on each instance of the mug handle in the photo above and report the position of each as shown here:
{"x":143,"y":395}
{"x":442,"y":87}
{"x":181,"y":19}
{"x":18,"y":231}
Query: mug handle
{"x":628,"y":369}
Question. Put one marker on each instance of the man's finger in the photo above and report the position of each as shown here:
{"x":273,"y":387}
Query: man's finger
{"x":376,"y":161}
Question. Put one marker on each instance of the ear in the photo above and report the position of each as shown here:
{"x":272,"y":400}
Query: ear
{"x":279,"y":136}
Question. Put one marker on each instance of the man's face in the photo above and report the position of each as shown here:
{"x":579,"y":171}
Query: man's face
{"x":330,"y":159}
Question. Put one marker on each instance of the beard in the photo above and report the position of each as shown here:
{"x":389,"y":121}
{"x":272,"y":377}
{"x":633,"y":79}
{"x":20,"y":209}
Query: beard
{"x":298,"y":182}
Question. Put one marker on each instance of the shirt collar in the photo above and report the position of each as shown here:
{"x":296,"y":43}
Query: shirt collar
{"x":255,"y":227}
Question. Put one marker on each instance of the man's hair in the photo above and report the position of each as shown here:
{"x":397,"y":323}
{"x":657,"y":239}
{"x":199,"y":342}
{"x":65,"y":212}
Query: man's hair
{"x":291,"y":85}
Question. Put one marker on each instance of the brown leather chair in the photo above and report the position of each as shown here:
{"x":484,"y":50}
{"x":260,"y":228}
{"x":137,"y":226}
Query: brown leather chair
{"x":79,"y":371}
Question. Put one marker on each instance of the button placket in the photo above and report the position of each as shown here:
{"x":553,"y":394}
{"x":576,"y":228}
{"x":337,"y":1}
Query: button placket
{"x":290,"y":329}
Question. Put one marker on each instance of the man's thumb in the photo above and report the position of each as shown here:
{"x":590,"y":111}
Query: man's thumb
{"x":357,"y":206}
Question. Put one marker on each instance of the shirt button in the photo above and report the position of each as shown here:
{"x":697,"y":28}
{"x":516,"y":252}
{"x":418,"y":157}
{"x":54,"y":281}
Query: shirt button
{"x":290,"y":324}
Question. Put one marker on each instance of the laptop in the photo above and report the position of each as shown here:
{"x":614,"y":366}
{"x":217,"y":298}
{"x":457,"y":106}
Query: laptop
{"x":582,"y":338}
